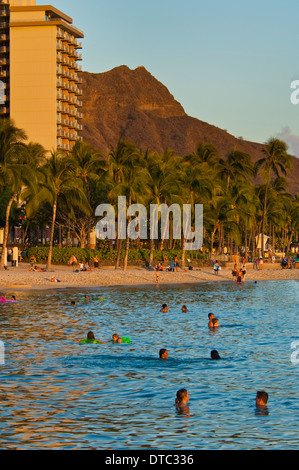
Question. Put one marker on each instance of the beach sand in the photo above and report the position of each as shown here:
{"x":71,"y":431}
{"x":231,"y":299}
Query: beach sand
{"x":19,"y":278}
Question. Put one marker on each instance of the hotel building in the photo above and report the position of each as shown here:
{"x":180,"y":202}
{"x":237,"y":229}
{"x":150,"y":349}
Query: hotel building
{"x":39,"y":64}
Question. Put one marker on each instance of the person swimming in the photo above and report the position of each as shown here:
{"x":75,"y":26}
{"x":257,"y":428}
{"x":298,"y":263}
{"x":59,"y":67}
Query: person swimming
{"x":214,"y":323}
{"x":163,"y":354}
{"x":182,"y":398}
{"x":164,"y":308}
{"x":90,"y":338}
{"x":116,"y":338}
{"x":261,"y":399}
{"x":215,"y":354}
{"x":184,"y":309}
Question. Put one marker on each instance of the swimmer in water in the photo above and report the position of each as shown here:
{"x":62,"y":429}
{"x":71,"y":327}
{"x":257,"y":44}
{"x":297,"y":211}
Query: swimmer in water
{"x":90,"y":335}
{"x":116,"y":339}
{"x":261,"y":400}
{"x":215,"y":354}
{"x":210,"y":316}
{"x":164,"y":308}
{"x":163,"y":354}
{"x":73,"y":303}
{"x":214,"y":323}
{"x":182,"y":398}
{"x":184,"y":309}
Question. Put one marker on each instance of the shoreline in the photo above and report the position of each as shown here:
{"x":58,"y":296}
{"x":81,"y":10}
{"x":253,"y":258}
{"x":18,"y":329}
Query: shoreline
{"x":19,"y":278}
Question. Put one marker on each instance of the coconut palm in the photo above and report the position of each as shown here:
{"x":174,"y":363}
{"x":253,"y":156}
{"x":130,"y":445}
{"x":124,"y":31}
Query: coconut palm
{"x":15,"y":170}
{"x":57,"y":181}
{"x":275,"y":162}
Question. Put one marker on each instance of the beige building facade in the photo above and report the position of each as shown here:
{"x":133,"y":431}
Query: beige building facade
{"x":42,"y":87}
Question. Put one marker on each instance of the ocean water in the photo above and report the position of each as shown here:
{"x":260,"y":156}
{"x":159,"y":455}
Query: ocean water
{"x":58,"y":394}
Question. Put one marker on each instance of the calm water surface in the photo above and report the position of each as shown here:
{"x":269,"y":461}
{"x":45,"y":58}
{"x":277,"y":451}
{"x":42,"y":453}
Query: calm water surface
{"x":58,"y":394}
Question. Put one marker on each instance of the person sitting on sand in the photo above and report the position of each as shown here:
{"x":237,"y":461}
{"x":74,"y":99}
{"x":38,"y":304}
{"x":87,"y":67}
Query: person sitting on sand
{"x":164,"y":308}
{"x":215,"y":354}
{"x":184,"y":309}
{"x":182,"y":398}
{"x":163,"y":354}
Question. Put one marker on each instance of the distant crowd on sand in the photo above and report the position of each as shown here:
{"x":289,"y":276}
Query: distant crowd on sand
{"x":182,"y":395}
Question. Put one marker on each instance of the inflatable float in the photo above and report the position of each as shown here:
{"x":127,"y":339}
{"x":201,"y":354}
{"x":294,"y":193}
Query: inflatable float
{"x":3,"y":300}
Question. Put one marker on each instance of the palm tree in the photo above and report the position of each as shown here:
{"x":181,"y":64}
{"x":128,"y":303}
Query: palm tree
{"x":237,"y":166}
{"x":275,"y":162}
{"x":13,"y":173}
{"x":90,"y":167}
{"x":162,"y":184}
{"x":57,"y":181}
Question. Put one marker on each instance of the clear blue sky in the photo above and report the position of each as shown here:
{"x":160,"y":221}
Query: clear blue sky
{"x":229,"y":63}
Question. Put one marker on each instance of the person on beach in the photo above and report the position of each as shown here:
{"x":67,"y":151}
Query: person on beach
{"x":261,"y":262}
{"x":157,"y":276}
{"x":235,"y":272}
{"x":96,"y":263}
{"x":261,"y":399}
{"x":164,"y":308}
{"x":184,"y":309}
{"x":244,"y":270}
{"x":73,"y":261}
{"x":216,"y":267}
{"x":163,"y":354}
{"x":240,"y":276}
{"x":54,"y":279}
{"x":182,"y":398}
{"x":215,"y":354}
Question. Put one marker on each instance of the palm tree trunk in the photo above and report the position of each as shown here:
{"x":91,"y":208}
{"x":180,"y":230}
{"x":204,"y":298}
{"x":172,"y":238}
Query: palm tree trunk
{"x":151,"y":255}
{"x":119,"y":244}
{"x":49,"y":262}
{"x":6,"y":231}
{"x":264,"y":219}
{"x":127,"y":241}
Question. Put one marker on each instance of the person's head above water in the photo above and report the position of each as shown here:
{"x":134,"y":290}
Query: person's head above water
{"x":90,"y":335}
{"x":182,"y":396}
{"x":215,"y":354}
{"x":211,"y":316}
{"x":163,"y":353}
{"x":261,"y":398}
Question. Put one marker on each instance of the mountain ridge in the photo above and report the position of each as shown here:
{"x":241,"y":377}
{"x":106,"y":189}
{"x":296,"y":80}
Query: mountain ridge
{"x":134,"y":105}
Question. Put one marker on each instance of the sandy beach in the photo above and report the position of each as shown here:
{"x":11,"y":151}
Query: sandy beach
{"x":20,"y":278}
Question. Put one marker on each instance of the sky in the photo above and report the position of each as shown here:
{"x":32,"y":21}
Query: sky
{"x":229,"y":63}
